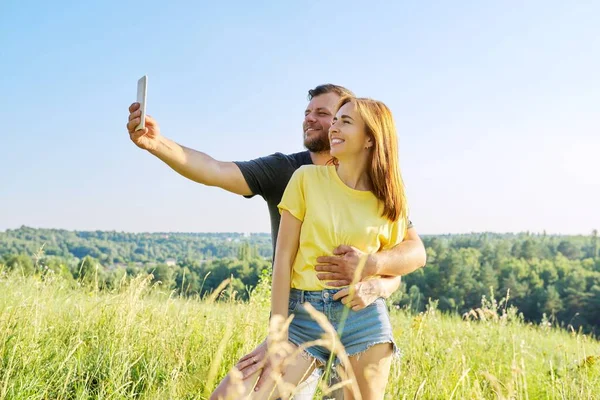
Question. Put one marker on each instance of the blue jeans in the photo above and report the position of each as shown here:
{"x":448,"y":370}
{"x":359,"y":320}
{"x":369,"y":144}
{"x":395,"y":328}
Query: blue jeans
{"x":358,"y":330}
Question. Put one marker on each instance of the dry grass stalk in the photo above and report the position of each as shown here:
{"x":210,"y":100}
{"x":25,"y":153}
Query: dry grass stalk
{"x":336,"y":347}
{"x":213,"y":296}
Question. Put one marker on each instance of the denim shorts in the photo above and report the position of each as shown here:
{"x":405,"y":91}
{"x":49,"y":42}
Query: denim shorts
{"x":358,"y":330}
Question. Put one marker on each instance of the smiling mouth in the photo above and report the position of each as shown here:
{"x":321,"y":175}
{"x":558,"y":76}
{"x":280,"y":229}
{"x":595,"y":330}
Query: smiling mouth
{"x":337,"y":141}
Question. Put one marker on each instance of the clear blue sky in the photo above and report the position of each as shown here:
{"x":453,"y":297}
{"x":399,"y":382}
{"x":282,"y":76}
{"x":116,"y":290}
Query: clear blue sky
{"x":497,"y":103}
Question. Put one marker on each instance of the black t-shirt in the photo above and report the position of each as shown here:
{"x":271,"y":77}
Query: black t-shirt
{"x":268,"y":176}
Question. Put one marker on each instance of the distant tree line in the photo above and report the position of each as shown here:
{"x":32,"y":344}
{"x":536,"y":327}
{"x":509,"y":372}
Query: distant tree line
{"x":545,"y":276}
{"x":121,"y":247}
{"x":186,"y":263}
{"x":555,"y":277}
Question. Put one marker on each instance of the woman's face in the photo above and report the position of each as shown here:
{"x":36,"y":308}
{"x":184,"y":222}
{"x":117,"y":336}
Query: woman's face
{"x":347,"y":135}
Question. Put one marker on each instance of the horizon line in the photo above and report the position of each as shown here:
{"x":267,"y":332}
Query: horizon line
{"x":534,"y":233}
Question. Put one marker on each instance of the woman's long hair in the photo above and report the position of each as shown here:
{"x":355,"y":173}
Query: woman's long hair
{"x":384,"y":168}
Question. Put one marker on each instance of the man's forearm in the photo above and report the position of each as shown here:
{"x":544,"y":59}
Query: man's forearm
{"x":201,"y":168}
{"x":402,"y":259}
{"x":190,"y":163}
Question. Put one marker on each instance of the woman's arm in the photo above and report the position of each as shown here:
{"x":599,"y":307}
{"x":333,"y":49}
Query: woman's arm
{"x":288,"y":240}
{"x":386,"y":285}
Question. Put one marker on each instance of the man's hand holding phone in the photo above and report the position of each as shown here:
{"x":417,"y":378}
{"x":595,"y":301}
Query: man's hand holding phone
{"x":143,"y":129}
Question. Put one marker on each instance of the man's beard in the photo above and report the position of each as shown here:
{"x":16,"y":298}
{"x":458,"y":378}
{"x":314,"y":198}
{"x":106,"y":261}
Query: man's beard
{"x":317,"y":144}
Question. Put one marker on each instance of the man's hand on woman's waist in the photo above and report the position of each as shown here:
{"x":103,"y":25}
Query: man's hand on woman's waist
{"x":345,"y":266}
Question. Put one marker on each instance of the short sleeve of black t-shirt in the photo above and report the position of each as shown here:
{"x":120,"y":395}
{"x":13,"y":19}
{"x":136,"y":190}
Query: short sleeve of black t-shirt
{"x":268,"y":177}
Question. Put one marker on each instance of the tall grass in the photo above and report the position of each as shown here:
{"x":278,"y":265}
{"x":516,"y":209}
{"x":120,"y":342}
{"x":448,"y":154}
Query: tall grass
{"x":63,"y":342}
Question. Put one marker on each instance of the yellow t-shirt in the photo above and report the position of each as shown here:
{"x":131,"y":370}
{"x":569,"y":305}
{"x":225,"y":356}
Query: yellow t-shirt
{"x":333,"y":214}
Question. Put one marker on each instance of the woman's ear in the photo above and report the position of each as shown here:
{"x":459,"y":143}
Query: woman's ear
{"x":368,"y":143}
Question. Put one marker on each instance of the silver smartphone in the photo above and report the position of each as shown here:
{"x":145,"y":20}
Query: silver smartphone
{"x":142,"y":90}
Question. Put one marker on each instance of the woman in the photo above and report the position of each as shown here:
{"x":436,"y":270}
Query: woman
{"x":358,"y":200}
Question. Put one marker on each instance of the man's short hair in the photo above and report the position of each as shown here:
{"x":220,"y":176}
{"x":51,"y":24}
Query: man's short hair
{"x":329,"y":88}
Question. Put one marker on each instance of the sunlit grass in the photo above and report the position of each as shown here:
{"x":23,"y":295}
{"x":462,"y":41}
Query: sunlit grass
{"x":64,"y":342}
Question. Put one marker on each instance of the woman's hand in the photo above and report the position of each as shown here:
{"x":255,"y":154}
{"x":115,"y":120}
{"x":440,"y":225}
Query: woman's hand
{"x":253,"y":361}
{"x":364,"y":294}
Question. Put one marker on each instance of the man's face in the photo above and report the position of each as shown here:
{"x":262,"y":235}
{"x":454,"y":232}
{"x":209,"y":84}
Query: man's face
{"x":317,"y":121}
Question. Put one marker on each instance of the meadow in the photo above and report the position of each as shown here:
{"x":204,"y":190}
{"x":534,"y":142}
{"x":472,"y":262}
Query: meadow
{"x":65,"y":341}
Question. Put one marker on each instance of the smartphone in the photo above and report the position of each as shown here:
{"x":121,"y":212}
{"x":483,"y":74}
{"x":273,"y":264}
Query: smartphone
{"x":142,"y":89}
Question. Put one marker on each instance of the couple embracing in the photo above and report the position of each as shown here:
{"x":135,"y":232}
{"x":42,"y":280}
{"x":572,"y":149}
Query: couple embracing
{"x":338,"y":212}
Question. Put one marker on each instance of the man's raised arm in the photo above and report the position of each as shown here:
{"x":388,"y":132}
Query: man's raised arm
{"x":192,"y":164}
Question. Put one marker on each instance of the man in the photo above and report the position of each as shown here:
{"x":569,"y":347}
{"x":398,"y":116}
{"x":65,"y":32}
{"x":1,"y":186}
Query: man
{"x":268,"y":177}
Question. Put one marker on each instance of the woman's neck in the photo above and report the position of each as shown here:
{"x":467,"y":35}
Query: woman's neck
{"x":320,"y":158}
{"x":354,"y":173}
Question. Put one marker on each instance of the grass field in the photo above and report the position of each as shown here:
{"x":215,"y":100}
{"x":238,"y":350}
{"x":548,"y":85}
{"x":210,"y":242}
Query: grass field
{"x":60,"y":342}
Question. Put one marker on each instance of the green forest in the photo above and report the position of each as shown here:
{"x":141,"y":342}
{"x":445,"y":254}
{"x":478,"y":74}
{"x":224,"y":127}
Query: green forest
{"x":548,"y":278}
